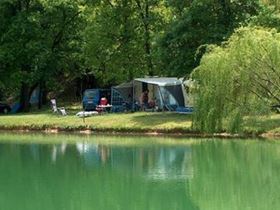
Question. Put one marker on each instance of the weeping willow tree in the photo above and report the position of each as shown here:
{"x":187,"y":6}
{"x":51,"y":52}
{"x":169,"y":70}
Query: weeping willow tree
{"x":240,"y":78}
{"x":275,"y":3}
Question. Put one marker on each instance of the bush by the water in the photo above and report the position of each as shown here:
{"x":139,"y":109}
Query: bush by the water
{"x":239,"y":79}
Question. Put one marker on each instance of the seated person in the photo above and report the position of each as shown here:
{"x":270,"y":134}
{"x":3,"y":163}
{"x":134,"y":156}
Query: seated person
{"x":144,"y":100}
{"x":103,"y":101}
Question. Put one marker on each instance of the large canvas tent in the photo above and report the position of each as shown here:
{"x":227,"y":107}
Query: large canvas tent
{"x":167,"y":92}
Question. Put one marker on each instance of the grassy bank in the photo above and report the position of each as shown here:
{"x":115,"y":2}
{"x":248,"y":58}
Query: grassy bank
{"x":132,"y":122}
{"x":141,"y":122}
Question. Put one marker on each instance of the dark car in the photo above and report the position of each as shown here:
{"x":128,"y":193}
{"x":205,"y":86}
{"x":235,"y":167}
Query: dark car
{"x":4,"y":108}
{"x":91,"y":98}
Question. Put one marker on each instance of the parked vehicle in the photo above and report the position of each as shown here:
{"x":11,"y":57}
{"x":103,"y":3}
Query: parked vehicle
{"x":4,"y":108}
{"x":92,"y":97}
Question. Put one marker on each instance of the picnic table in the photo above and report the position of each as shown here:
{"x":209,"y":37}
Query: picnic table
{"x":104,"y":108}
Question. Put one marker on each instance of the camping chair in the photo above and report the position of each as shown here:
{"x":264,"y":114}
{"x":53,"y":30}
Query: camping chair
{"x":60,"y":110}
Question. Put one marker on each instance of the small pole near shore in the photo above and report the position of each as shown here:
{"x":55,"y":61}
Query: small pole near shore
{"x":84,"y":118}
{"x":133,"y":104}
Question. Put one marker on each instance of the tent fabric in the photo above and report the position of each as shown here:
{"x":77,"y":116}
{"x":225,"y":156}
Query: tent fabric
{"x":122,"y":93}
{"x":160,"y":81}
{"x":124,"y":85}
{"x":175,"y":92}
{"x":165,"y":91}
{"x":154,"y":93}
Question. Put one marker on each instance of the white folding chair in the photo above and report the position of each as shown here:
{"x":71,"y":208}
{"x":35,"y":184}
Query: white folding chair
{"x":60,"y":110}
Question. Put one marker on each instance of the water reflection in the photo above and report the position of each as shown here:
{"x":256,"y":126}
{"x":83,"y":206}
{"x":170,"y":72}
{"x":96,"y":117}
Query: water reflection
{"x":236,"y":175}
{"x":151,"y":162}
{"x":218,"y":175}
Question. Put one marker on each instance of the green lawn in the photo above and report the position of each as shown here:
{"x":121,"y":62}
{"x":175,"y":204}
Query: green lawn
{"x":267,"y":124}
{"x":139,"y":122}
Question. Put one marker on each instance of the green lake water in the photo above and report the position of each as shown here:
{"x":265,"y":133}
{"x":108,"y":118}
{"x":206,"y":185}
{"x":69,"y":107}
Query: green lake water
{"x":59,"y":172}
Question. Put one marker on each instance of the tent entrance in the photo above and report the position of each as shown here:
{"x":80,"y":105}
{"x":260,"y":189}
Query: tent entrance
{"x":154,"y":93}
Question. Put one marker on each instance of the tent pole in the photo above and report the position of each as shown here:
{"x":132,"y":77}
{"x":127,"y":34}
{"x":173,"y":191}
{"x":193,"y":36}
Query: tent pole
{"x":133,"y":103}
{"x":163,"y":103}
{"x":111,"y":95}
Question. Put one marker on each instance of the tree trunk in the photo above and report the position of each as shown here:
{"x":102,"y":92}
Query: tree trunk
{"x":148,"y":51}
{"x":24,"y":97}
{"x":42,"y":95}
{"x":148,"y":39}
{"x":144,"y":11}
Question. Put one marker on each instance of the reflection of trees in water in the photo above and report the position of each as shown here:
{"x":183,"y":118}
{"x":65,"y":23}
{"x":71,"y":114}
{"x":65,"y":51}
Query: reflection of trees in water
{"x":58,"y":149}
{"x":152,"y":162}
{"x":218,"y":175}
{"x":168,"y":163}
{"x":69,"y":183}
{"x":236,"y":175}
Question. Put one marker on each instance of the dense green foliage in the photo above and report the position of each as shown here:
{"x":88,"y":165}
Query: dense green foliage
{"x":57,"y":44}
{"x":120,"y":36}
{"x":238,"y":79}
{"x":203,"y":22}
{"x":39,"y":43}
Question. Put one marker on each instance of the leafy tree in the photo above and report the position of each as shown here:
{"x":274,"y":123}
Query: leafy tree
{"x":120,"y":38}
{"x":203,"y":22}
{"x":111,"y":47}
{"x":39,"y":43}
{"x":268,"y":17}
{"x":178,"y":7}
{"x":51,"y":43}
{"x":275,"y":3}
{"x":240,"y":78}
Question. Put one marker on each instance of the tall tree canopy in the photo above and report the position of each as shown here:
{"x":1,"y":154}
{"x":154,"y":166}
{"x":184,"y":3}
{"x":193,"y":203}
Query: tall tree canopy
{"x":39,"y":42}
{"x":120,"y":38}
{"x":203,"y":22}
{"x":53,"y":43}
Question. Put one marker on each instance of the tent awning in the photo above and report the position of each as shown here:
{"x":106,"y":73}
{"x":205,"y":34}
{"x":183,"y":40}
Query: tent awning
{"x":160,"y":81}
{"x":124,"y":85}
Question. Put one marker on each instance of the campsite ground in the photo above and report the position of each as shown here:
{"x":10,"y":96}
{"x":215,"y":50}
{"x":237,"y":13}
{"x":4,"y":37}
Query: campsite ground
{"x":140,"y":122}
